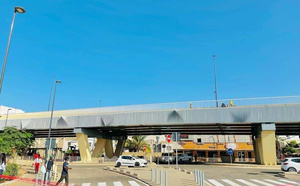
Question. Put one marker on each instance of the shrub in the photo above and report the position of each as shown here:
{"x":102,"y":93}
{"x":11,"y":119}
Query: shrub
{"x":11,"y":169}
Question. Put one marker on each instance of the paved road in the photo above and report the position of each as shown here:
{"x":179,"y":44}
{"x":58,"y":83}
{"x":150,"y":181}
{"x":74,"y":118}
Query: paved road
{"x":238,"y":176}
{"x":94,"y":175}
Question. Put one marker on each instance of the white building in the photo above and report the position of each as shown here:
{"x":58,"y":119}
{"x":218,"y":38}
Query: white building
{"x":10,"y":110}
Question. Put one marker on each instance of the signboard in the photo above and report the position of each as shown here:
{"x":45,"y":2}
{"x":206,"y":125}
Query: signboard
{"x":169,"y":138}
{"x":184,"y":136}
{"x":232,"y":146}
{"x":230,"y":151}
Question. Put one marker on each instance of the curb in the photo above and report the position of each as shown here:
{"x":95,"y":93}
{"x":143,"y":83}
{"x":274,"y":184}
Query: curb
{"x":127,"y":173}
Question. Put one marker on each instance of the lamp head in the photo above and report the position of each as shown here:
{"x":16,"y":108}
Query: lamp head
{"x":20,"y":9}
{"x":58,"y":82}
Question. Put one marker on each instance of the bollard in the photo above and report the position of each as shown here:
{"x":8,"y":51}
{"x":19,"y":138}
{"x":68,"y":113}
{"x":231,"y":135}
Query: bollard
{"x":166,"y":178}
{"x":36,"y":179}
{"x":199,"y":178}
{"x":202,"y":178}
{"x":156,"y":176}
{"x":195,"y":175}
{"x":161,"y":175}
{"x":152,"y":179}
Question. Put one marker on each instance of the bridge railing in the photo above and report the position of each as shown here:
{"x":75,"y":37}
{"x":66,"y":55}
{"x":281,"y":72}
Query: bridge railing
{"x":200,"y":104}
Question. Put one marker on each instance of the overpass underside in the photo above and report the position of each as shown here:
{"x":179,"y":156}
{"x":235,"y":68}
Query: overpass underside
{"x":111,"y":132}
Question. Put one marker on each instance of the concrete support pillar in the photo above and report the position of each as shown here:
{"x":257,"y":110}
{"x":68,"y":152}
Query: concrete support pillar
{"x":109,"y":151}
{"x":253,"y":156}
{"x":236,"y":156}
{"x":219,"y":156}
{"x":84,"y":148}
{"x":120,"y":147}
{"x":99,"y":146}
{"x":265,"y":145}
{"x":206,"y":154}
{"x":246,"y":156}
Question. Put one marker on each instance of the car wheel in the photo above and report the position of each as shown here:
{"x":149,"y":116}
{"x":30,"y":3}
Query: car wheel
{"x":292,"y":169}
{"x":118,"y":164}
{"x":137,"y":164}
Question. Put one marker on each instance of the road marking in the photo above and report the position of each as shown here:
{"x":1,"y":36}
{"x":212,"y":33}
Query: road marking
{"x":133,"y":183}
{"x":230,"y":182}
{"x":246,"y":182}
{"x":102,"y":184}
{"x":118,"y":184}
{"x":276,"y":182}
{"x":262,"y":182}
{"x":86,"y":184}
{"x":215,"y":182}
{"x":288,"y":181}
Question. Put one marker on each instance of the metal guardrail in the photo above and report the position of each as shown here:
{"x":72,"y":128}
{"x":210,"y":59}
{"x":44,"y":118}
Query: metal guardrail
{"x":195,"y":104}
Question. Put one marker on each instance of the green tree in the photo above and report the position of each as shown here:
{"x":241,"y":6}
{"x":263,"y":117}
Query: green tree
{"x":136,"y":143}
{"x":12,"y":138}
{"x":290,"y":147}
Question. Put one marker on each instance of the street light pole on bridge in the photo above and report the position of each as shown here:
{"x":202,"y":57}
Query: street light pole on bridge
{"x":57,"y":82}
{"x":215,"y":72}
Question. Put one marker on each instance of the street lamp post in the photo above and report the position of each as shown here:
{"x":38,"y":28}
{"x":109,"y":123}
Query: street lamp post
{"x":7,"y":116}
{"x":215,"y":72}
{"x":57,"y":82}
{"x":53,"y":80}
{"x":17,"y":10}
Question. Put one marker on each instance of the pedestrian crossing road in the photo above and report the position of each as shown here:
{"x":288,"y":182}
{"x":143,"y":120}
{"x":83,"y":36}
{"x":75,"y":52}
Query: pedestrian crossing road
{"x":115,"y":183}
{"x":251,"y":182}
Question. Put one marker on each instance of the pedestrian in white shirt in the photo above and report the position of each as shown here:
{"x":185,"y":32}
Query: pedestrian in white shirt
{"x":2,"y":164}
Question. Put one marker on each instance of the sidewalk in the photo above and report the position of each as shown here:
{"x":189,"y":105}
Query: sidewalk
{"x":174,"y":177}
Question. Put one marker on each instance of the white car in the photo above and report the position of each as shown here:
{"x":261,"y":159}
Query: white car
{"x":291,"y":164}
{"x":130,"y":161}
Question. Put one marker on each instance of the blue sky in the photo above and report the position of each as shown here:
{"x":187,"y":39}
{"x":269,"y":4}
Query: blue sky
{"x":148,"y":51}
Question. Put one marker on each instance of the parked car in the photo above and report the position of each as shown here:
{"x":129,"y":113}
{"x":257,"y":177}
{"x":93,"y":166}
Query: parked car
{"x":130,"y":161}
{"x":165,"y":157}
{"x":291,"y":164}
{"x":185,"y":158}
{"x":141,"y":158}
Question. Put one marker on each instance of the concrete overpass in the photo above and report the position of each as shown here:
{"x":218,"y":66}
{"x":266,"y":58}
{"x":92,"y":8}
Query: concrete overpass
{"x":116,"y":123}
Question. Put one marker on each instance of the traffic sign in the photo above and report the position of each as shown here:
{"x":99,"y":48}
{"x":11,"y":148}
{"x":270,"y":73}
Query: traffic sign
{"x":145,"y":147}
{"x":230,"y":151}
{"x":169,"y":138}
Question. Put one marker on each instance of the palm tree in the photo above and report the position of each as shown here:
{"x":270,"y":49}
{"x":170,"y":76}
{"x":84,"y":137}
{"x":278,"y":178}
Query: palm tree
{"x":136,"y":143}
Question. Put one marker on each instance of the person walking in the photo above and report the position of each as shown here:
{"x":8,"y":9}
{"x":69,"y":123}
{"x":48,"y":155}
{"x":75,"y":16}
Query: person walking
{"x":64,"y":173}
{"x":2,"y":164}
{"x":49,"y":165}
{"x":37,"y":161}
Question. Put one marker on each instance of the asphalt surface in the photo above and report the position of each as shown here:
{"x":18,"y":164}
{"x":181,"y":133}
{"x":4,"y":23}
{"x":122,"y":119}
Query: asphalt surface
{"x":226,"y":172}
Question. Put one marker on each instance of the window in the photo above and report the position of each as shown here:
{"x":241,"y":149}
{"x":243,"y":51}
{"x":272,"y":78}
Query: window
{"x":199,"y":140}
{"x":296,"y":160}
{"x":163,"y":146}
{"x":125,"y":157}
{"x":285,"y":160}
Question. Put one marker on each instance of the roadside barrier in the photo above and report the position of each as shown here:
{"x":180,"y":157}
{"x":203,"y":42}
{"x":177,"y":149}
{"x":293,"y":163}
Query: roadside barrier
{"x":199,"y":177}
{"x":157,"y":176}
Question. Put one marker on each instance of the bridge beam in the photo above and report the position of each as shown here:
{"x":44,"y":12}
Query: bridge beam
{"x":84,"y":148}
{"x":265,"y":145}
